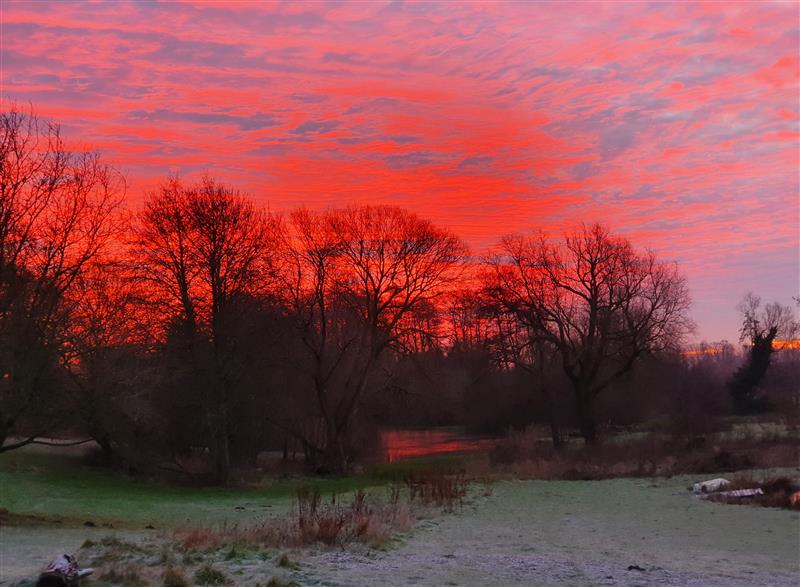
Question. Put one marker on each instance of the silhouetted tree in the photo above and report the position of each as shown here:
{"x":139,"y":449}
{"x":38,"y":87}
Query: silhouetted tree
{"x":106,"y":356}
{"x":760,"y":329}
{"x":55,"y":217}
{"x":593,"y":299}
{"x":355,"y":278}
{"x":205,"y":248}
{"x":518,"y":345}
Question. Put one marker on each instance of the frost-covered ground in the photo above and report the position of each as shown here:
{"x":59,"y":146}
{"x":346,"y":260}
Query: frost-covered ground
{"x":526,"y":533}
{"x":25,"y":550}
{"x":584,"y":533}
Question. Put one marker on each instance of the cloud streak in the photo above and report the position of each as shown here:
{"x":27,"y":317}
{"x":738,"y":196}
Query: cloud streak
{"x":675,"y":123}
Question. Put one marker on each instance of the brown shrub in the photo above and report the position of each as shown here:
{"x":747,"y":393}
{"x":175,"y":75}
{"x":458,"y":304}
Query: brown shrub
{"x":524,"y":455}
{"x":208,"y":575}
{"x":175,"y":578}
{"x":359,"y":521}
{"x":436,"y":487}
{"x":314,"y":521}
{"x":276,"y":582}
{"x":287,"y":563}
{"x":201,"y":539}
{"x":127,"y":577}
{"x":267,"y":533}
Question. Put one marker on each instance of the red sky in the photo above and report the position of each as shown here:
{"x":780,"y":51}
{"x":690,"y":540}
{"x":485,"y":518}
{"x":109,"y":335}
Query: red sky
{"x":676,"y":124}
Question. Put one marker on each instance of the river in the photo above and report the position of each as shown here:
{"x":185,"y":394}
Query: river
{"x":402,"y":444}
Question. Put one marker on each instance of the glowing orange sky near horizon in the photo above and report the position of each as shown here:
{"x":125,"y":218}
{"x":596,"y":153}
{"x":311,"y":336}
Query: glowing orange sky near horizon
{"x":676,"y":124}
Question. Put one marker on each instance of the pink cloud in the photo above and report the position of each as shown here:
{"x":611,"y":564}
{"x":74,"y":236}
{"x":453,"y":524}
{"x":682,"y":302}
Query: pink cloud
{"x":676,"y":123}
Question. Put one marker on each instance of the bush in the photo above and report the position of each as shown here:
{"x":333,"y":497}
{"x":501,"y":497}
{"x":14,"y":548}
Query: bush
{"x":201,"y":539}
{"x":287,"y":563}
{"x":359,"y":521}
{"x":175,"y":578}
{"x":126,"y":578}
{"x":315,"y":520}
{"x":276,"y":582}
{"x":437,"y":487}
{"x":208,"y":575}
{"x":331,"y":523}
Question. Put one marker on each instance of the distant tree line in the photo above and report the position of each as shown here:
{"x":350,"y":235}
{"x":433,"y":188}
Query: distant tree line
{"x":203,"y":328}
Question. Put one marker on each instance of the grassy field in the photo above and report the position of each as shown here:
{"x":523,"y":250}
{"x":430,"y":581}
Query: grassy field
{"x":40,"y":482}
{"x":522,"y":533}
{"x":55,"y":502}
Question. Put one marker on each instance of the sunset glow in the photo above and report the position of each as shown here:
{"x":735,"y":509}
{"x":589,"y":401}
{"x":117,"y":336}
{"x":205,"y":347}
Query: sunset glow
{"x":787,"y":344}
{"x":676,"y":124}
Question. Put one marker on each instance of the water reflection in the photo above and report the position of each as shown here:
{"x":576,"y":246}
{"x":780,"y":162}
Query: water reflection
{"x":407,"y":444}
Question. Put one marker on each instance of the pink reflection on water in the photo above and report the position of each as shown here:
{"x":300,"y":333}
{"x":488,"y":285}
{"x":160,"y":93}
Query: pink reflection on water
{"x":397,"y":445}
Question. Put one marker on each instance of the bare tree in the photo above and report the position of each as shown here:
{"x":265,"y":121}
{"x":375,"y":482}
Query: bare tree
{"x":162,"y":247}
{"x":108,"y":340}
{"x":467,"y":324}
{"x":205,"y":248}
{"x":356,"y":277}
{"x":772,"y":322}
{"x":595,"y":300}
{"x":761,"y":327}
{"x":478,"y":320}
{"x":55,"y":217}
{"x":311,"y":264}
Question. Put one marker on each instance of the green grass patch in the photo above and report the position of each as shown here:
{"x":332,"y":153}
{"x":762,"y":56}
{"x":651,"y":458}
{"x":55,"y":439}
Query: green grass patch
{"x":401,"y":470}
{"x":41,"y":483}
{"x":49,"y":484}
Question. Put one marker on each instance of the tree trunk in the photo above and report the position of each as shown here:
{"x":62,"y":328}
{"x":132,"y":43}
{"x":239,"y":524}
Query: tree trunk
{"x":555,"y":433}
{"x":222,"y":465}
{"x":555,"y":429}
{"x":104,"y":441}
{"x":335,"y":459}
{"x":338,"y":425}
{"x":586,"y":420}
{"x":220,"y":449}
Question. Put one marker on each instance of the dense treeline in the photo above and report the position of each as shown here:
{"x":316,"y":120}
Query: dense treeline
{"x":201,"y":330}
